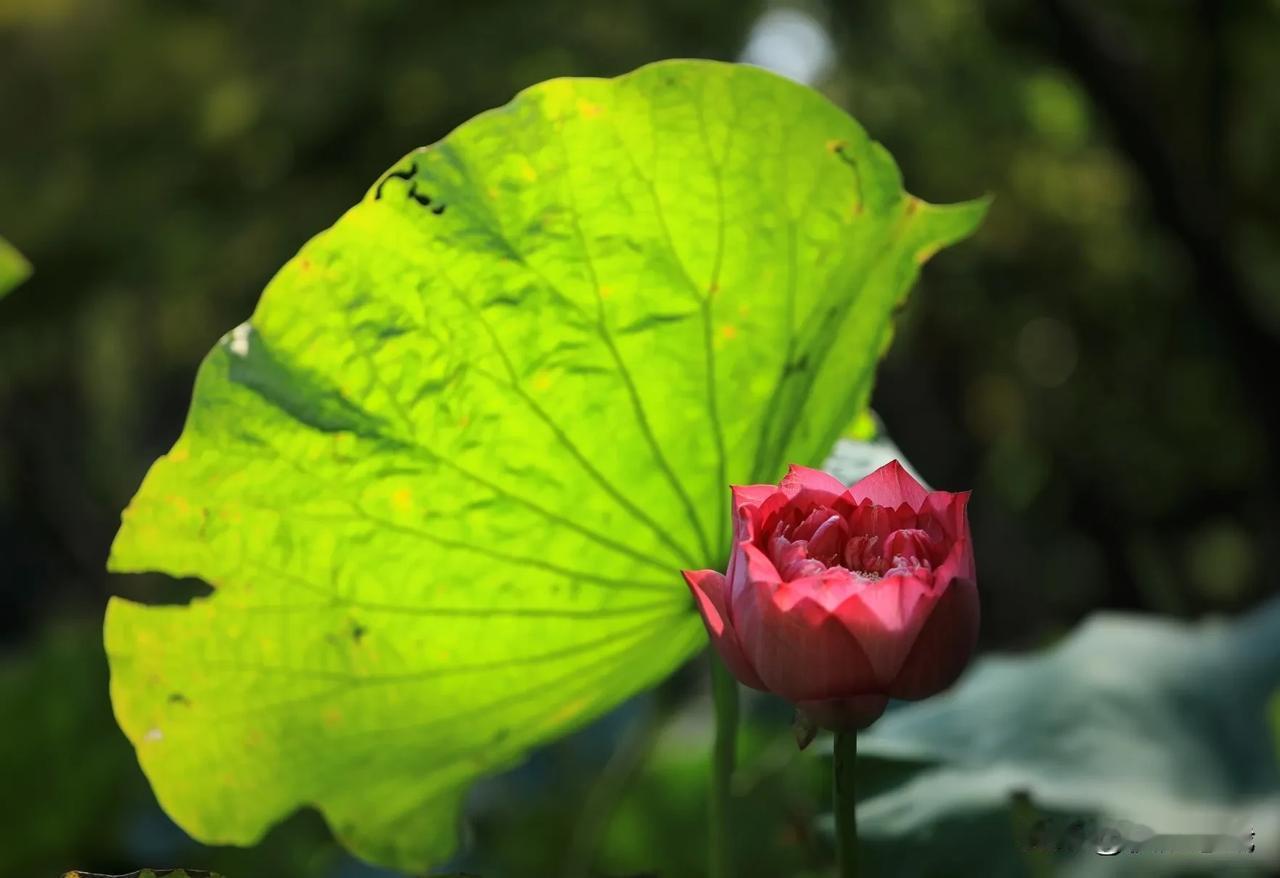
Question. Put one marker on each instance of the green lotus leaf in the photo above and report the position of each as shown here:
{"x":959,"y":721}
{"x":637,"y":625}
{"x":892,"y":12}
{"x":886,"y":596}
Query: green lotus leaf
{"x":443,"y":480}
{"x":14,"y":268}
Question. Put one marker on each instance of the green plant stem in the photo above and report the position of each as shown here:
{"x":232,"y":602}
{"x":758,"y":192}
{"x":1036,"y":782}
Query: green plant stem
{"x":843,"y":768}
{"x":724,"y":690}
{"x":602,"y":800}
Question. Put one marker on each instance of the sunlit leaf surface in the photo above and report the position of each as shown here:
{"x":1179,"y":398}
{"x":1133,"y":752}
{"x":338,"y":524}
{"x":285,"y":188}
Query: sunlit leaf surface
{"x":443,"y":480}
{"x":14,"y":269}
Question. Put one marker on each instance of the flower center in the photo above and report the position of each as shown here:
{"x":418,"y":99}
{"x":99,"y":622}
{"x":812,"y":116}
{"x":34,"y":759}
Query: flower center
{"x":873,"y":543}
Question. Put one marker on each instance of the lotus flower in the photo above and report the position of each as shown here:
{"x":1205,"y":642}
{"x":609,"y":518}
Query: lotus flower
{"x":838,"y":599}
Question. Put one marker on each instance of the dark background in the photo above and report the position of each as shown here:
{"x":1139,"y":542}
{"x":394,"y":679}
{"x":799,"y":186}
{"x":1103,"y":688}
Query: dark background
{"x":1098,"y":364}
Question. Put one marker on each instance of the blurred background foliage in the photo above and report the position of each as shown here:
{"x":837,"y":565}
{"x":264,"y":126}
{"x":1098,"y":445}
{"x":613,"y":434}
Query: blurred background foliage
{"x":1097,"y":364}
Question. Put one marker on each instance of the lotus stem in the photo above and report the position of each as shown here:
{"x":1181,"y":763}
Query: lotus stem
{"x":843,"y":758}
{"x":724,"y":690}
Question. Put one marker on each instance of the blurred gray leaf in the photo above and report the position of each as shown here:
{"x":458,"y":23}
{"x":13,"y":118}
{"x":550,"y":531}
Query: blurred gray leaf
{"x":852,"y":459}
{"x":1135,"y":722}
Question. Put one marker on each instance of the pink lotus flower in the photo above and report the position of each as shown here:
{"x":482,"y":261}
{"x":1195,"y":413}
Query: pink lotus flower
{"x":839,"y":599}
